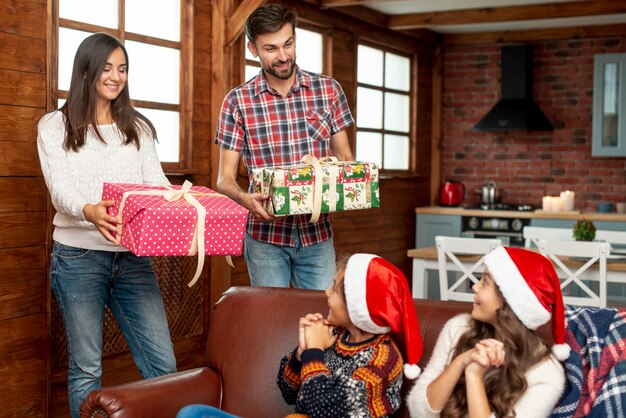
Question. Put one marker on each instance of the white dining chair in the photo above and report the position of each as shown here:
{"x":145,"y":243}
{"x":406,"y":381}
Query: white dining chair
{"x":532,"y":235}
{"x":588,"y":255}
{"x":449,"y":249}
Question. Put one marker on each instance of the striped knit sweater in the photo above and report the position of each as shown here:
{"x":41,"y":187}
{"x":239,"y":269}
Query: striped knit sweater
{"x":347,"y":380}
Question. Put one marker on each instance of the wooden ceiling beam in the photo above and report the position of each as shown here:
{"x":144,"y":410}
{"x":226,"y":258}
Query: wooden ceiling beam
{"x":343,"y":3}
{"x":507,"y":14}
{"x":366,"y":15}
{"x":238,"y":19}
{"x":531,"y":35}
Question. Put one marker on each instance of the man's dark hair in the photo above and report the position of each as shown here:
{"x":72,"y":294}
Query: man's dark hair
{"x":268,"y":18}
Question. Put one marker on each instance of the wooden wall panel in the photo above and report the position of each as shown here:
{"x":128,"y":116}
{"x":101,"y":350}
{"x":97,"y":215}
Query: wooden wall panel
{"x":23,"y":383}
{"x":343,"y":68}
{"x":22,"y":298}
{"x":19,"y":159}
{"x":22,"y":89}
{"x":23,"y":194}
{"x":22,"y":334}
{"x":19,"y":264}
{"x":19,"y":124}
{"x":23,"y":229}
{"x":23,"y":54}
{"x":24,"y":17}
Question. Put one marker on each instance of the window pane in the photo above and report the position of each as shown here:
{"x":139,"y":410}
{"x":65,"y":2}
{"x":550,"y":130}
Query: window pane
{"x":156,"y":18}
{"x":153,"y":72}
{"x":396,"y":152}
{"x":610,"y":109}
{"x":369,"y":105}
{"x":397,"y":110}
{"x":370,"y":66}
{"x":309,"y":46}
{"x":251,"y":71}
{"x":69,"y":39}
{"x":166,"y":124}
{"x":96,"y":12}
{"x":397,"y":72}
{"x":369,"y":147}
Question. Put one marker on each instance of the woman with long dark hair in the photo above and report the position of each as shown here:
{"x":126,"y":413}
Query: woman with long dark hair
{"x":97,"y":137}
{"x":492,"y":363}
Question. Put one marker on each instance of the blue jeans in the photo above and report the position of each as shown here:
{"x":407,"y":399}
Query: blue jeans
{"x":202,"y":411}
{"x":83,"y":282}
{"x":311,"y":267}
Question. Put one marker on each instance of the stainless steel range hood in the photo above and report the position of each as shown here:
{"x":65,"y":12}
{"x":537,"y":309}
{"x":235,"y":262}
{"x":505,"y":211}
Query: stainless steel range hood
{"x":516,"y":110}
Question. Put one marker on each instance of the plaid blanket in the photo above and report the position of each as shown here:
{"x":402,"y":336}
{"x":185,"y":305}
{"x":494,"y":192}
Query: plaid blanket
{"x":596,"y":368}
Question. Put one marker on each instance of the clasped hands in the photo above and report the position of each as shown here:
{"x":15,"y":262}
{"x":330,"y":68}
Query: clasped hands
{"x":485,"y":354}
{"x":314,"y":332}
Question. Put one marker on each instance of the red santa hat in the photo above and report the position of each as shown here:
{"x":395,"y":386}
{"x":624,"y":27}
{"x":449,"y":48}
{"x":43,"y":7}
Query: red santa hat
{"x":379,"y":301}
{"x":532,"y":289}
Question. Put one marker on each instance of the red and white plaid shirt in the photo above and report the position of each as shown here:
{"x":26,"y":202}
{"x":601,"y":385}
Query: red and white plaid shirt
{"x":270,"y":130}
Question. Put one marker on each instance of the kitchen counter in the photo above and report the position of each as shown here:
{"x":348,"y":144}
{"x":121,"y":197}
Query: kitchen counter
{"x":594,"y":216}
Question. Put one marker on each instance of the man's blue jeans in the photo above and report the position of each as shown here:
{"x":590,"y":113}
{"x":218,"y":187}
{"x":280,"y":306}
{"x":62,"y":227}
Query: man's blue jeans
{"x":311,"y":267}
{"x":83,"y":282}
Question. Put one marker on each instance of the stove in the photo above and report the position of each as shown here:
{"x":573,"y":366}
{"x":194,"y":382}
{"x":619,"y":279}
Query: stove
{"x":508,"y":228}
{"x":504,"y":206}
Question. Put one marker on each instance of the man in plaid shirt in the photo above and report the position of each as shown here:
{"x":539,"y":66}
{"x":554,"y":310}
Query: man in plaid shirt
{"x":275,"y":119}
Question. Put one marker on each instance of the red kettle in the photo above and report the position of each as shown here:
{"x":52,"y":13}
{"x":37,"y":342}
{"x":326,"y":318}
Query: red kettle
{"x":452,"y":193}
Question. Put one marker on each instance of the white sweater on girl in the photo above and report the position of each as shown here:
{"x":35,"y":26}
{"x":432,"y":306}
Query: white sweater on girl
{"x":546,"y":381}
{"x":75,"y":179}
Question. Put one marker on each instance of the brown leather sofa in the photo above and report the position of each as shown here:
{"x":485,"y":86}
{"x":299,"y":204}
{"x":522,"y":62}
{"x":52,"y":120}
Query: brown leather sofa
{"x":251,"y":329}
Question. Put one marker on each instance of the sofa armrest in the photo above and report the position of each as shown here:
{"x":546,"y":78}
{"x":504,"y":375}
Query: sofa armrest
{"x":161,"y":396}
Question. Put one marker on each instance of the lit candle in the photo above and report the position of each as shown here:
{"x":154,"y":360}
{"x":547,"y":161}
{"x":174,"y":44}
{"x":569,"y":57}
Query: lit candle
{"x":546,"y":203}
{"x":567,"y":197}
{"x":557,"y":204}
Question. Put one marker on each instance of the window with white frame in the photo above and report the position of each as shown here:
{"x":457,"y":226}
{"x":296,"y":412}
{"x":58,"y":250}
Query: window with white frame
{"x":151,"y":32}
{"x":383,"y":108}
{"x":309,"y":53}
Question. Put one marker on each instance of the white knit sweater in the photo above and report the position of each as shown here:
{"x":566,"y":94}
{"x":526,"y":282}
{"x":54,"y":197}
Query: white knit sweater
{"x":75,"y":179}
{"x":546,"y":381}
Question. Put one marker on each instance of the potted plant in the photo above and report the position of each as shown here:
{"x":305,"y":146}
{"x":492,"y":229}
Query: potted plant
{"x":584,"y":230}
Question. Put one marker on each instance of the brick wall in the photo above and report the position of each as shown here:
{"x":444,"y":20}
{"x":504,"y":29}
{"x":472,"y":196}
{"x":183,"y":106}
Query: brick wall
{"x":529,"y":165}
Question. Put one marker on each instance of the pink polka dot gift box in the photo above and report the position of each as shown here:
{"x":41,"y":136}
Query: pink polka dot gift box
{"x":166,"y":220}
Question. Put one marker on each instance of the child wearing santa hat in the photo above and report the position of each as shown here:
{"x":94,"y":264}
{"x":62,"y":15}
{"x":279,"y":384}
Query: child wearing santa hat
{"x":492,"y":363}
{"x":347,"y":364}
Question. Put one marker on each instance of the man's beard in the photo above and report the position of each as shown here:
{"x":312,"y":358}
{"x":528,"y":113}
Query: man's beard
{"x":283,"y":75}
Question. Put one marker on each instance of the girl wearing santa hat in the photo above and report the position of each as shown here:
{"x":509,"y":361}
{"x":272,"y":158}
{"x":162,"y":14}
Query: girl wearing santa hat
{"x":492,"y":363}
{"x":347,"y":365}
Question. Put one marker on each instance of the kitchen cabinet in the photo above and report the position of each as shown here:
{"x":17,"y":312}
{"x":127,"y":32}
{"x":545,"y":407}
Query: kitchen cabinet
{"x":429,"y":226}
{"x":609,"y":112}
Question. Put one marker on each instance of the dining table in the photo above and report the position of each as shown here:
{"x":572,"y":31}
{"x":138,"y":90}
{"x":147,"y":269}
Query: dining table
{"x":425,"y":259}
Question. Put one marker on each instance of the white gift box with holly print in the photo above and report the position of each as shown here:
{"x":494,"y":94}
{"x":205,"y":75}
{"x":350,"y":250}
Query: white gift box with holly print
{"x":292,"y":189}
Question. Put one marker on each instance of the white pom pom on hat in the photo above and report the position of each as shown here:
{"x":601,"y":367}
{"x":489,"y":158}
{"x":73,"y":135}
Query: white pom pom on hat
{"x":379,"y":301}
{"x":532,"y":289}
